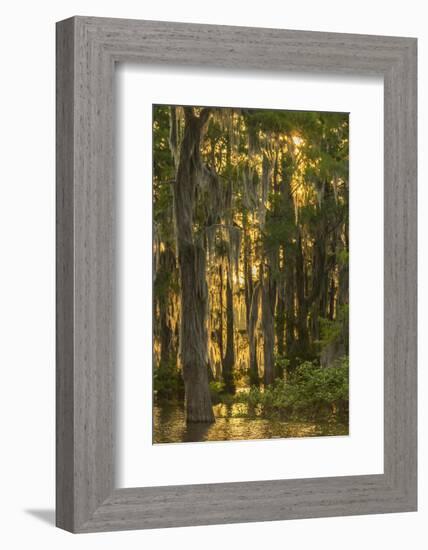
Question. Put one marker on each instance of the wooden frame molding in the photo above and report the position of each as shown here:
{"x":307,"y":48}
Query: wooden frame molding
{"x":87,"y":50}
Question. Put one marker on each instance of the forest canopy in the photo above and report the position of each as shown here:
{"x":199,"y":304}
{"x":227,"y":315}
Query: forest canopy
{"x":250,"y":250}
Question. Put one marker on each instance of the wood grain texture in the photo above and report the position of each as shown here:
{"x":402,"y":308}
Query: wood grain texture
{"x":64,"y":276}
{"x":87,"y":49}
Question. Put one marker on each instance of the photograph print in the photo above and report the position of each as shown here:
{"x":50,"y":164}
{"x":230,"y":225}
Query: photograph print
{"x":250,"y":274}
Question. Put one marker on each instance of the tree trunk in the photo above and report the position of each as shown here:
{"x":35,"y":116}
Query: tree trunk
{"x":166,"y":336}
{"x":332,"y":299}
{"x":280,"y":319}
{"x":252,"y":325}
{"x":289,"y":300}
{"x":268,"y":317}
{"x":302,"y":328}
{"x":319,"y":284}
{"x":343,"y":290}
{"x":248,"y":276}
{"x":220,"y":329}
{"x":192,"y":264}
{"x":229,"y":356}
{"x":289,"y":256}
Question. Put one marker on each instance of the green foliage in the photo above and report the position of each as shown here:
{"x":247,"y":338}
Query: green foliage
{"x":216,"y":386}
{"x":163,"y":176}
{"x":166,"y":282}
{"x":335,"y":330}
{"x":168,"y":381}
{"x":343,"y":257}
{"x":279,"y":229}
{"x":309,"y":391}
{"x":284,"y":121}
{"x":217,"y":392}
{"x":282,"y":365}
{"x":315,"y":388}
{"x":282,"y":184}
{"x":163,"y":166}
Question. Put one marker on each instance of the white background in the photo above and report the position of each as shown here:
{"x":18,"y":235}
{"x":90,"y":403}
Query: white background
{"x":362,"y":451}
{"x":27,"y":273}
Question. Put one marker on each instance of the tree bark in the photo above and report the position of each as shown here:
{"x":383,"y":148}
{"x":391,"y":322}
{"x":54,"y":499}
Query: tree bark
{"x":252,"y":325}
{"x":229,"y":356}
{"x":319,"y":283}
{"x":289,"y":256}
{"x":192,"y":264}
{"x":248,"y":276}
{"x":220,"y":329}
{"x":343,"y":290}
{"x":280,"y":319}
{"x":268,"y":317}
{"x":289,"y":300}
{"x":166,"y":336}
{"x":302,"y":328}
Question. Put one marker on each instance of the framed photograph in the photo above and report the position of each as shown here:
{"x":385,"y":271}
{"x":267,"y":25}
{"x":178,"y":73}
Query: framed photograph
{"x":236,"y":274}
{"x":250,"y":244}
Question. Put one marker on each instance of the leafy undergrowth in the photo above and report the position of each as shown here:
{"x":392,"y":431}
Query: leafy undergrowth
{"x":310,"y":391}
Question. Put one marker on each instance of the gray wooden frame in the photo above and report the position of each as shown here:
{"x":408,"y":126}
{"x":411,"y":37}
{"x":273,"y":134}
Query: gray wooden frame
{"x":87,"y":50}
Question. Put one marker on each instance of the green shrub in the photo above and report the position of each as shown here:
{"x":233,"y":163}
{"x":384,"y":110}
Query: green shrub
{"x":309,"y":390}
{"x":168,"y":382}
{"x":282,"y":365}
{"x":217,"y":392}
{"x":313,"y":388}
{"x":335,"y":330}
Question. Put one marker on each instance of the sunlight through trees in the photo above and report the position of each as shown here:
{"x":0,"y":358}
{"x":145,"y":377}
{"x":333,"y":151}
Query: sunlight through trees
{"x":251,"y":248}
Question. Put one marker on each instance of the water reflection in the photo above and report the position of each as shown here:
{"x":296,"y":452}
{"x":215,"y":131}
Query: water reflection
{"x":235,"y":422}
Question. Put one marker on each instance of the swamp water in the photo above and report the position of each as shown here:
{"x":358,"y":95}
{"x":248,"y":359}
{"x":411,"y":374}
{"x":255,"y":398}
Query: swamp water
{"x":234,"y":423}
